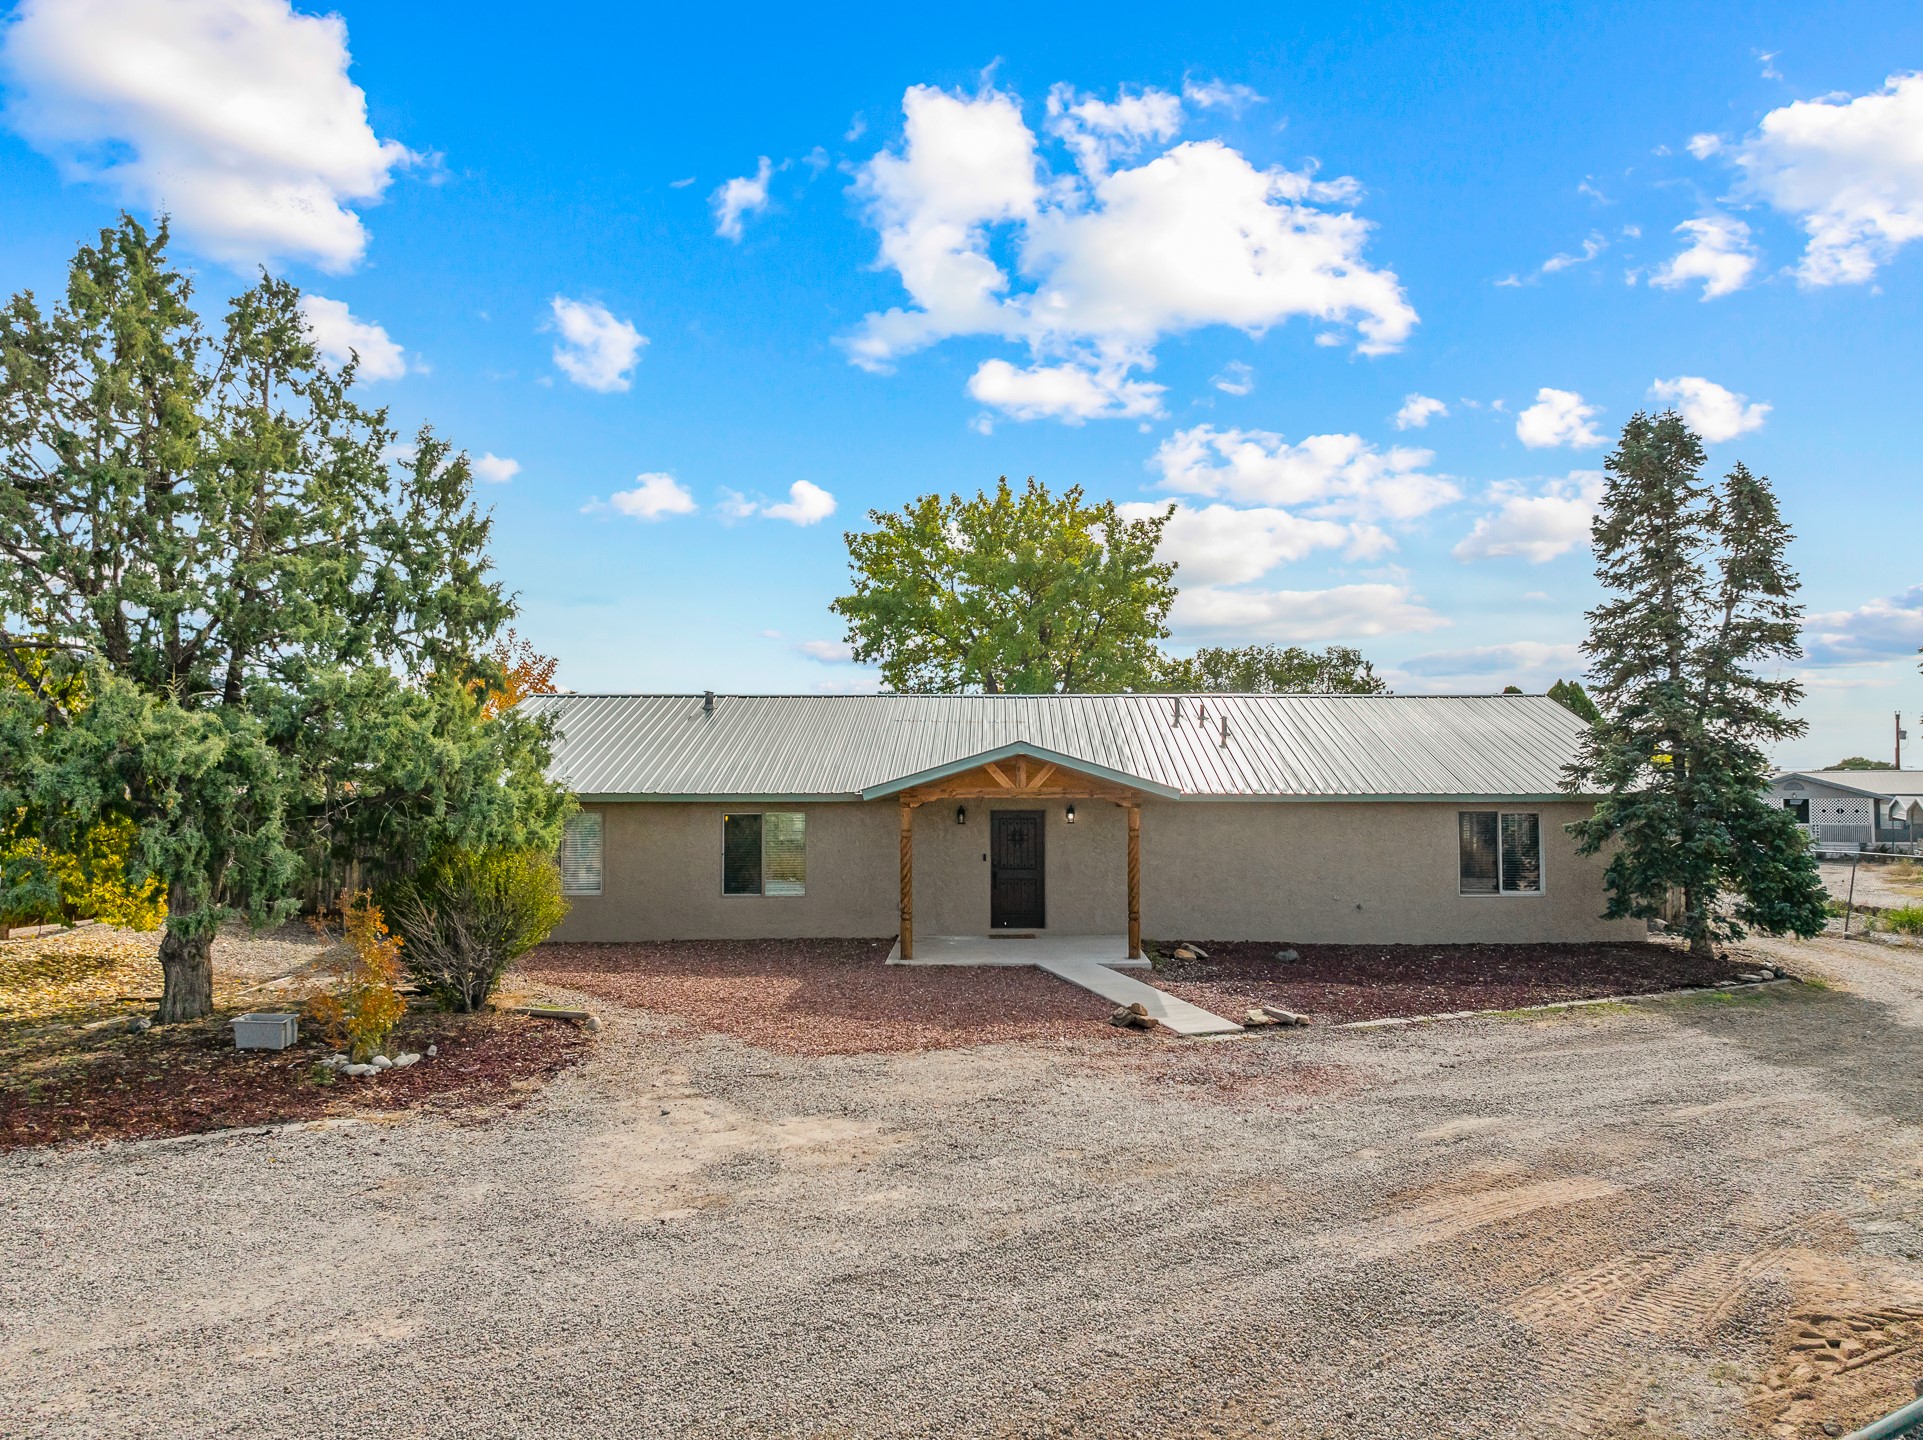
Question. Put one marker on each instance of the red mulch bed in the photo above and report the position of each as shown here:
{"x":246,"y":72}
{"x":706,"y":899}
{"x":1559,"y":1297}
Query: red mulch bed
{"x":1373,"y":982}
{"x":825,"y":997}
{"x":57,"y":1084}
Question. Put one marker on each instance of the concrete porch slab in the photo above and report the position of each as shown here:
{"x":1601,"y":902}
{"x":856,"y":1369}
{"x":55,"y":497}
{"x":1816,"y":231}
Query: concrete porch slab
{"x":1093,"y":962}
{"x":1018,"y":949}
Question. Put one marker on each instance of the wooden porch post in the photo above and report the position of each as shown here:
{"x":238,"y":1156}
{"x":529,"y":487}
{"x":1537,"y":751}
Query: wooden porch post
{"x":907,"y":881}
{"x":1134,"y":881}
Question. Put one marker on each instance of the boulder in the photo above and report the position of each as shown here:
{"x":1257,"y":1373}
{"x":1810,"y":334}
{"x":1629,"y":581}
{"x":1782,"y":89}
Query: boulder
{"x":381,"y":1062}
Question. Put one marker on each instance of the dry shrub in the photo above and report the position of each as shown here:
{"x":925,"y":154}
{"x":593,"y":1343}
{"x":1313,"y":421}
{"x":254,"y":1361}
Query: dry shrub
{"x":360,"y":1012}
{"x":469,"y":914}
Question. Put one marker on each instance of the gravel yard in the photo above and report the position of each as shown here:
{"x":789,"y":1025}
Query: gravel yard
{"x":1679,"y":1218}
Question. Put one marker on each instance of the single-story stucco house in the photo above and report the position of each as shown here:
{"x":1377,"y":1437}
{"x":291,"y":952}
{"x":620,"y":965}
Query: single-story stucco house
{"x":1315,"y":818}
{"x":1851,"y":809}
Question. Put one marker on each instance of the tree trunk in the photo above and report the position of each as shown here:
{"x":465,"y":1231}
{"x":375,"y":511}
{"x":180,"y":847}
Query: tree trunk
{"x":187,"y":971}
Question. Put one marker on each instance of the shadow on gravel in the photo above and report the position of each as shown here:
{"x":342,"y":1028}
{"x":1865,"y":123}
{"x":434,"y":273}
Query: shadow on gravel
{"x":1856,"y":1050}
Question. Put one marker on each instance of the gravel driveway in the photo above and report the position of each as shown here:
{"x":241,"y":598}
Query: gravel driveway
{"x":1607,"y":1223}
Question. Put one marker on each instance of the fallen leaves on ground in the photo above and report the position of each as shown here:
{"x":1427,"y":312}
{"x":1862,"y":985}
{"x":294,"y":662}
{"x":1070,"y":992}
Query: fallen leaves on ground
{"x":54,"y":975}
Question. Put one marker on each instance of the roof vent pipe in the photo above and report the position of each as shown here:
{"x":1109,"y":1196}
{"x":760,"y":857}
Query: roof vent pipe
{"x":707,"y":702}
{"x":1178,"y":710}
{"x":1225,"y":730}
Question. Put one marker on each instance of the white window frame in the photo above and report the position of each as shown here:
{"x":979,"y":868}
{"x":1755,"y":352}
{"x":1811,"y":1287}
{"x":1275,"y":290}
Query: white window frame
{"x":1501,"y":892}
{"x":600,"y":824}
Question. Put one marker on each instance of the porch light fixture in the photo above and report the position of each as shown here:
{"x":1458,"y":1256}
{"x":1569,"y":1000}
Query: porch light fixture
{"x":961,"y":814}
{"x":1071,"y":815}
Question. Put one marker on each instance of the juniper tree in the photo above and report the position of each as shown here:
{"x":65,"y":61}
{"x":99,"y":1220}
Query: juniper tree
{"x":276,"y":621}
{"x":1687,"y":654}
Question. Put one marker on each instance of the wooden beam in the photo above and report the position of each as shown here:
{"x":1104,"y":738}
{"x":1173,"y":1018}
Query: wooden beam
{"x":1134,"y":881}
{"x":907,"y":881}
{"x":1000,"y":779}
{"x":1041,"y":777}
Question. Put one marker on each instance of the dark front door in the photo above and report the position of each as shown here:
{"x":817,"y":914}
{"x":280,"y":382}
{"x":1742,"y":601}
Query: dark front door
{"x":1015,"y":870}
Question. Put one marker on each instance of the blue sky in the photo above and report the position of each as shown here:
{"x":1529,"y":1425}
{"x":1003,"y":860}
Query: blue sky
{"x":1364,"y":289}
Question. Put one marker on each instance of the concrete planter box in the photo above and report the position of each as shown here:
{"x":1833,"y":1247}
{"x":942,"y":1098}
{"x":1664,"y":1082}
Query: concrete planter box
{"x":261,"y":1030}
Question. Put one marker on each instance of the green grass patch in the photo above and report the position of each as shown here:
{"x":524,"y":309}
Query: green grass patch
{"x":1905,"y":920}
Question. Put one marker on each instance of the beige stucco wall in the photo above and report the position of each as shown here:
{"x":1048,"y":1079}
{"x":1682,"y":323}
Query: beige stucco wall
{"x":1300,"y":871}
{"x":661,"y":877}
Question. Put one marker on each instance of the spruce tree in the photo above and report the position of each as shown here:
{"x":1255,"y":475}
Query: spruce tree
{"x":232,"y":618}
{"x":1702,"y":613}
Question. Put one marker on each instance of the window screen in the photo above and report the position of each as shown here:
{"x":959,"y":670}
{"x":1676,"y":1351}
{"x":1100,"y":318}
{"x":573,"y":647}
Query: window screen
{"x":581,"y":854}
{"x":784,"y":855}
{"x":1479,"y":867}
{"x":764,"y":854}
{"x":740,"y":854}
{"x":1522,"y":854}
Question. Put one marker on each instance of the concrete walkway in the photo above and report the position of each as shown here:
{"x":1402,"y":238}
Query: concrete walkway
{"x":1090,"y":961}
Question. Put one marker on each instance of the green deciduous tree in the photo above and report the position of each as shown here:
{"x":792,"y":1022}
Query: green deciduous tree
{"x":1008,"y":592}
{"x":1271,"y":670}
{"x":1861,"y":762}
{"x":1687,"y":655}
{"x":276,"y":621}
{"x":1572,"y":697}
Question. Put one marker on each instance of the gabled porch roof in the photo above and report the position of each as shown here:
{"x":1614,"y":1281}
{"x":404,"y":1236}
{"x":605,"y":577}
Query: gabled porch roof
{"x":1021,"y":751}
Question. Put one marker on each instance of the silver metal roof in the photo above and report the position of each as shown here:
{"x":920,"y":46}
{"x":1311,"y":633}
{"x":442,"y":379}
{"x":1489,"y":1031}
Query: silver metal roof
{"x":1884,"y":784}
{"x":847,"y":747}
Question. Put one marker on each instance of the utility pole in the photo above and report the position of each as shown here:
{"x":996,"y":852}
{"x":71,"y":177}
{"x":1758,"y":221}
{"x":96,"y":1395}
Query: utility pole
{"x":1901,"y":736}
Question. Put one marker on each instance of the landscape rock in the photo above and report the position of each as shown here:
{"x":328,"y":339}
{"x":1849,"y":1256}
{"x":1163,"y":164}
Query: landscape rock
{"x":433,"y":1050}
{"x":381,"y":1062}
{"x":363,"y":1070}
{"x":1284,"y":1017}
{"x":1184,"y":952}
{"x":138,"y":1024}
{"x":401,"y":1062}
{"x":1259,"y":1017}
{"x":592,"y":1023}
{"x":1288,"y":957}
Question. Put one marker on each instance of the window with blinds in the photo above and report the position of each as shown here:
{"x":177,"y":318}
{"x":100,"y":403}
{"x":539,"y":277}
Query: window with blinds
{"x":764,"y":854}
{"x":581,"y":854}
{"x":1499,"y":853}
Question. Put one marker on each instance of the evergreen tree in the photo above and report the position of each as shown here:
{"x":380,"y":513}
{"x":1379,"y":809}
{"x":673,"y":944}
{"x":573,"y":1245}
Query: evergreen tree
{"x":1702,"y":612}
{"x":276,"y":624}
{"x":1572,"y":697}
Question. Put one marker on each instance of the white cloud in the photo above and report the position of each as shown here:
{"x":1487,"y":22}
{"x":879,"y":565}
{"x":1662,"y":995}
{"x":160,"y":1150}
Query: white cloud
{"x":656,"y":496}
{"x":1591,"y":248}
{"x":1069,"y":392}
{"x":1718,"y":254}
{"x":1705,"y":145}
{"x":1884,"y":629}
{"x":1344,"y":612}
{"x":1532,"y":665}
{"x":1100,"y":132}
{"x":1418,"y":410}
{"x":492,"y":469}
{"x":236,"y":117}
{"x":1535,"y":524}
{"x":744,"y":195}
{"x":339,"y":336}
{"x":1335,"y":475}
{"x":1235,"y":378}
{"x":828,"y":652}
{"x":807,"y":504}
{"x":1558,"y":417}
{"x":1849,"y":170}
{"x":1111,"y":259}
{"x":1218,"y":95}
{"x":1711,"y":411}
{"x":1223,"y":545}
{"x":596,"y":351}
